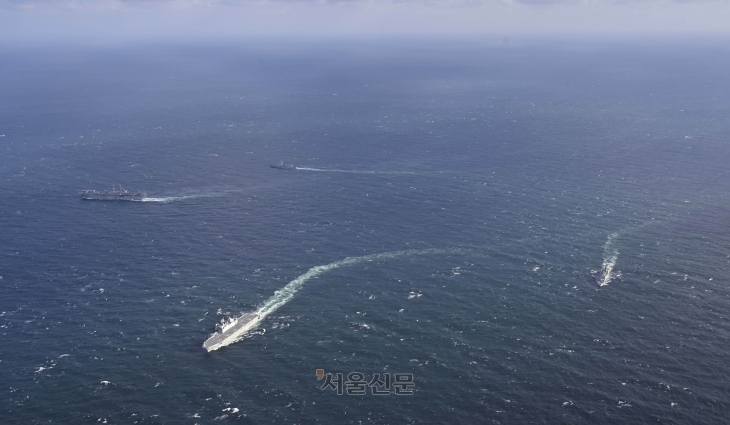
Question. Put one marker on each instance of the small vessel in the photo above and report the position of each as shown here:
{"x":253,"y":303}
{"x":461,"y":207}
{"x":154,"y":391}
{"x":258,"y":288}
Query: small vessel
{"x":284,"y":166}
{"x":603,"y":276}
{"x":116,"y":193}
{"x":230,"y":330}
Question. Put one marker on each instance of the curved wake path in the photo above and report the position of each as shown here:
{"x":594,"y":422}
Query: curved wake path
{"x":285,"y":294}
{"x":610,"y":254}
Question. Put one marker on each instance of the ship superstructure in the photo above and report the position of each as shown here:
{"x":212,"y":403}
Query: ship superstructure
{"x":116,"y":193}
{"x":230,"y":330}
{"x":284,"y":166}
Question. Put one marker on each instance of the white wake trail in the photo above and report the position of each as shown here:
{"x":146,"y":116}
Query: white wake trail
{"x":334,"y":170}
{"x":610,"y":256}
{"x":180,"y":198}
{"x":285,"y":294}
{"x":610,"y":252}
{"x":167,"y":199}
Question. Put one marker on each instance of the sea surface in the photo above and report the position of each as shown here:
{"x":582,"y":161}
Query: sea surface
{"x":452,"y":204}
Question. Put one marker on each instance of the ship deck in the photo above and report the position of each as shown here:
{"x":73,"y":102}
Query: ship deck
{"x":243,"y":323}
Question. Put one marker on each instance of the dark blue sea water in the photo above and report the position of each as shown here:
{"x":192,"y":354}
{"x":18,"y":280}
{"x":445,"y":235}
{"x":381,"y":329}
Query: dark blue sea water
{"x":483,"y":185}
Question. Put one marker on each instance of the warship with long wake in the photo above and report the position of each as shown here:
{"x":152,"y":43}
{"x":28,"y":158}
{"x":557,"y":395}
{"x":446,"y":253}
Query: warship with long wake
{"x":284,"y":166}
{"x":230,"y":330}
{"x":116,"y":193}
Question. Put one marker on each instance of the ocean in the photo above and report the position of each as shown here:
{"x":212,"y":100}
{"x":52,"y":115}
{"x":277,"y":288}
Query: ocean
{"x":452,"y":205}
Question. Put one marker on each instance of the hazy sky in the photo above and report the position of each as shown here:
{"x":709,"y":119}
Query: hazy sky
{"x":178,"y":19}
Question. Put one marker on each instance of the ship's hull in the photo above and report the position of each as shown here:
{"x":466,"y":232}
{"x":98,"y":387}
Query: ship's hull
{"x":603,"y":277}
{"x":283,"y":166}
{"x":102,"y":197}
{"x":244,"y":324}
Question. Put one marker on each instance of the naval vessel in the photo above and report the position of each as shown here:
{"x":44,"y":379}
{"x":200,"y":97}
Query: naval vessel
{"x":116,"y":193}
{"x":603,"y":276}
{"x":284,"y":166}
{"x":229,"y":331}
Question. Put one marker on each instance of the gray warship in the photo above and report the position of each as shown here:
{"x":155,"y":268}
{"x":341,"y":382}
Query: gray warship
{"x":284,"y":166}
{"x":116,"y":193}
{"x":229,"y":331}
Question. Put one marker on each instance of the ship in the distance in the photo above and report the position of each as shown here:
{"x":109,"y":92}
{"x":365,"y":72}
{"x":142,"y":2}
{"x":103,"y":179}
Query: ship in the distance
{"x":230,"y":330}
{"x":116,"y":193}
{"x":284,"y":166}
{"x":603,"y":276}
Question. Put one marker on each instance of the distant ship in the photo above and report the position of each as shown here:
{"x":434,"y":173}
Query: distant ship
{"x":603,"y":276}
{"x":229,"y":331}
{"x":116,"y":193}
{"x":284,"y":166}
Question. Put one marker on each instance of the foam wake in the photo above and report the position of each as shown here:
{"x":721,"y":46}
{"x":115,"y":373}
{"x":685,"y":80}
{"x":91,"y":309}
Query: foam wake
{"x":180,"y":198}
{"x":334,"y":170}
{"x":160,"y":199}
{"x":175,"y":198}
{"x":610,"y":256}
{"x":285,"y":294}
